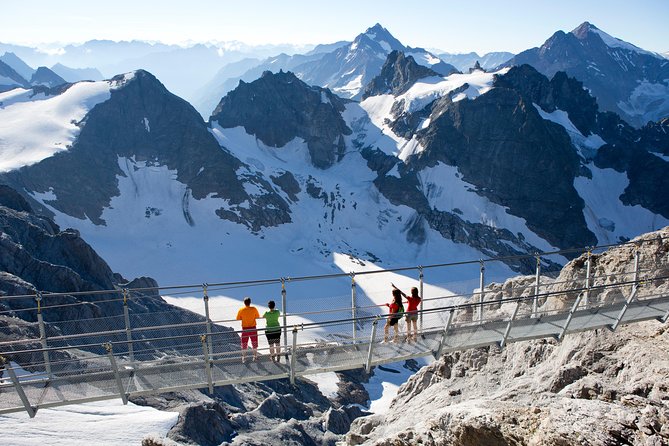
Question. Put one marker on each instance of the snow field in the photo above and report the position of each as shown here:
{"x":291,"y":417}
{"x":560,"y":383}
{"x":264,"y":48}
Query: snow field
{"x":107,"y":422}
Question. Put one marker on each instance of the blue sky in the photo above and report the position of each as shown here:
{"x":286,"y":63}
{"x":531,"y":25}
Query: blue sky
{"x":454,"y":26}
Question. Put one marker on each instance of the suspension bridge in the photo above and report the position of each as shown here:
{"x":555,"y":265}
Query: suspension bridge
{"x":126,"y":343}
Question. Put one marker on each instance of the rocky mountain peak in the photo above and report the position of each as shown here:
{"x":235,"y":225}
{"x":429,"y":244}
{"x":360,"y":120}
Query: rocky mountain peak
{"x":279,"y":107}
{"x":44,"y":76}
{"x":9,"y":78}
{"x":380,"y":35}
{"x":17,"y":64}
{"x":624,"y":78}
{"x":582,"y":30}
{"x":398,"y":74}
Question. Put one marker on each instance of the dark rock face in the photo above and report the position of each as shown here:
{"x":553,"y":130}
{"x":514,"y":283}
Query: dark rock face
{"x":406,"y":190}
{"x":610,"y":73}
{"x":647,"y":173}
{"x":202,"y":424}
{"x":501,"y":144}
{"x":279,"y":107}
{"x":398,"y":74}
{"x":144,"y":122}
{"x":46,"y":77}
{"x":11,"y":199}
{"x":15,"y":79}
{"x":627,"y":150}
{"x":36,"y":250}
{"x":285,"y":408}
{"x":561,"y":92}
{"x":287,"y":182}
{"x":655,"y":136}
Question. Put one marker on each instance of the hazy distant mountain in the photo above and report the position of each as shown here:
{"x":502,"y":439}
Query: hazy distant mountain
{"x":344,"y":67}
{"x":465,"y":61}
{"x":183,"y":69}
{"x":46,"y":78}
{"x":228,"y":77}
{"x":18,"y":65}
{"x":9,"y":78}
{"x":625,"y":79}
{"x":328,"y":47}
{"x":77,"y":74}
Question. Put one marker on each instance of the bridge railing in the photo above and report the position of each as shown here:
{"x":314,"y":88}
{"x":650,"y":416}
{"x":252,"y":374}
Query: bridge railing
{"x":103,"y":333}
{"x":183,"y":361}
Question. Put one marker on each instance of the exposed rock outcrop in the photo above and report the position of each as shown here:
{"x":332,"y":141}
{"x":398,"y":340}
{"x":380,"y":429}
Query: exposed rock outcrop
{"x":624,"y":79}
{"x":501,"y":144}
{"x":46,"y":77}
{"x":278,"y":108}
{"x":148,"y":126}
{"x":597,"y":388}
{"x":398,"y":74}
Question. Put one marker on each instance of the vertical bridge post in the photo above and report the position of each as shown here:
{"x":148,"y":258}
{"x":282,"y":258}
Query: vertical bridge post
{"x":119,"y":384}
{"x":205,"y":297}
{"x":128,"y":330}
{"x":354,"y":305}
{"x":537,"y":279}
{"x":368,"y":363}
{"x":42,"y":335}
{"x":207,"y":364}
{"x":635,"y":288}
{"x":586,"y":296}
{"x":283,"y":312}
{"x":293,"y":359}
{"x":19,"y":390}
{"x":420,"y":291}
{"x":479,"y":308}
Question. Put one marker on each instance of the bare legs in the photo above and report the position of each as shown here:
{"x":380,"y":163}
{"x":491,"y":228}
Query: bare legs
{"x":411,"y":322}
{"x":385,"y":331}
{"x":275,"y":351}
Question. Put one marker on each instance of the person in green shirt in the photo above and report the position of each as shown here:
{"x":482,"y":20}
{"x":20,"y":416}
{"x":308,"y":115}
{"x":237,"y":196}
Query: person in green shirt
{"x":273,"y":330}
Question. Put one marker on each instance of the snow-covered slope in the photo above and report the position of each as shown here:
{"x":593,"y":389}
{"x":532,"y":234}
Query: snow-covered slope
{"x":108,"y":422}
{"x":381,"y":108}
{"x":36,"y":125}
{"x":389,"y":199}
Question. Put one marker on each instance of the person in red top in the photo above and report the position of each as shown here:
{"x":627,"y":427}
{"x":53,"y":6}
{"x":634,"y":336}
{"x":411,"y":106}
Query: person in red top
{"x":248,"y":315}
{"x":413,"y":302}
{"x":394,"y":315}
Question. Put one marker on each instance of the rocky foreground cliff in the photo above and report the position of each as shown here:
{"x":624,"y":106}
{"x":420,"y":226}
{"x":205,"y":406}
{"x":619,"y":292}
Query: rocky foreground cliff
{"x":594,"y":388}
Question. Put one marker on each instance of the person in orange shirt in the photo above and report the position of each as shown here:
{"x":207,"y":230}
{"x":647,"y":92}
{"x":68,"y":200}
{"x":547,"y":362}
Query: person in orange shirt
{"x":248,"y":315}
